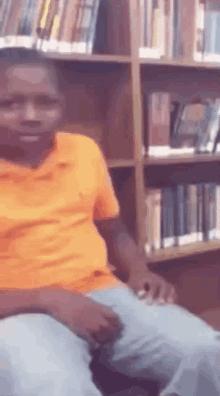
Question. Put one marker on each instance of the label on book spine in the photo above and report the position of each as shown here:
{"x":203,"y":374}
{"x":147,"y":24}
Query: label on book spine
{"x":158,"y":151}
{"x":152,"y":53}
{"x":17,"y":41}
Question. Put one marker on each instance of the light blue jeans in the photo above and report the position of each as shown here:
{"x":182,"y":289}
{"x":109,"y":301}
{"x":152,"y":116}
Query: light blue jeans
{"x":41,"y":357}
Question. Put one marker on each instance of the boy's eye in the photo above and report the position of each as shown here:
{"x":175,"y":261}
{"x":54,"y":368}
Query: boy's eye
{"x":10,"y":104}
{"x":46,"y":101}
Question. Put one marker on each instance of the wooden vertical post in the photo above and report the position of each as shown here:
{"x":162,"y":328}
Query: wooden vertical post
{"x":137,"y":121}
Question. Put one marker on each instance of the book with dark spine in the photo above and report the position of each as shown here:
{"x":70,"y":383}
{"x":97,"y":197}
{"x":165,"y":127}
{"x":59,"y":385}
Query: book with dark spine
{"x":199,"y":212}
{"x":180,"y":212}
{"x":206,"y":211}
{"x":212,"y":230}
{"x":158,"y":123}
{"x":217,"y":197}
{"x":177,"y":29}
{"x":167,"y":218}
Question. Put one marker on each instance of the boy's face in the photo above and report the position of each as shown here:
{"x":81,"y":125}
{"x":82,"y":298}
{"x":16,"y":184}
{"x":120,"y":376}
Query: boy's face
{"x":30,"y":104}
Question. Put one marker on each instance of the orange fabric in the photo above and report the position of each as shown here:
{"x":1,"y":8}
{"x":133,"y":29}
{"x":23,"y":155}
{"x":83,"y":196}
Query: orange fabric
{"x":46,"y":218}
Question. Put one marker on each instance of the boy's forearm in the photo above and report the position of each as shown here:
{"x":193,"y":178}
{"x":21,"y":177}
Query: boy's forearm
{"x":122,"y":249}
{"x":16,"y":301}
{"x":40,"y":300}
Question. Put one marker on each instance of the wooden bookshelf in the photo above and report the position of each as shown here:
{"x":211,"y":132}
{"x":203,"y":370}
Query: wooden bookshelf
{"x":121,"y":163}
{"x":182,"y":158}
{"x":170,"y":254}
{"x":89,"y":58}
{"x":179,"y":63}
{"x":105,"y":101}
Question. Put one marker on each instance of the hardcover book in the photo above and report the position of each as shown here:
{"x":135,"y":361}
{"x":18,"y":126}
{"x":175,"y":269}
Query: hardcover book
{"x":158,"y":123}
{"x":152,"y":28}
{"x":168,"y":218}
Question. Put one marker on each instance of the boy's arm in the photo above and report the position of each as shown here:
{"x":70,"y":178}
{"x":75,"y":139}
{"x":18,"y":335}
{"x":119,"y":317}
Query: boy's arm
{"x":122,"y":250}
{"x":131,"y":266}
{"x":95,"y":322}
{"x":17,"y":301}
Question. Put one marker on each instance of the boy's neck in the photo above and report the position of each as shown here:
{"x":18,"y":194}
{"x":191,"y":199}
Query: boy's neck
{"x":33,"y":157}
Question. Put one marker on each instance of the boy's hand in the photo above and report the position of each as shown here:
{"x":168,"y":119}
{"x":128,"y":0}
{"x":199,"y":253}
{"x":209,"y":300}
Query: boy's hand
{"x":152,"y":288}
{"x":85,"y":317}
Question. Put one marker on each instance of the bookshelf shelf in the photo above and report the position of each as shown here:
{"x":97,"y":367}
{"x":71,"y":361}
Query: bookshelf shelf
{"x":121,"y":163}
{"x":89,"y":58}
{"x":179,"y":63}
{"x":177,"y":253}
{"x":181,"y":159}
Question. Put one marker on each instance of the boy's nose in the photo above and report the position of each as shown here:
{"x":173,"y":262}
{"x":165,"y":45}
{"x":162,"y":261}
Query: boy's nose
{"x":29,"y":112}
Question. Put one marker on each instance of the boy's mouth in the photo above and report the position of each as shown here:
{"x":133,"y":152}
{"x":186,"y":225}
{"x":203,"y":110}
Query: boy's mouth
{"x":29,"y":138}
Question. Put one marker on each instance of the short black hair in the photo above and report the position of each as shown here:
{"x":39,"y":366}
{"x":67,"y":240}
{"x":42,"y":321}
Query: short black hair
{"x":19,"y":55}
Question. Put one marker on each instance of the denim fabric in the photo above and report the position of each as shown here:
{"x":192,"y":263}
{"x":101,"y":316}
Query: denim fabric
{"x":41,"y":357}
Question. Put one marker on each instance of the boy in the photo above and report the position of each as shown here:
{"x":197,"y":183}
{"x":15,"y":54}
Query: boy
{"x":58,"y":300}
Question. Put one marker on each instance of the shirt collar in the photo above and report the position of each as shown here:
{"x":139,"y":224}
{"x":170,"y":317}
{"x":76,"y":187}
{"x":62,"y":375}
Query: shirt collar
{"x":56,"y":158}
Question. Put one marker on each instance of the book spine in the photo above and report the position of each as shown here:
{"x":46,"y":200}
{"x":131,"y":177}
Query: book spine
{"x":186,"y":218}
{"x":46,"y":25}
{"x":84,"y":30}
{"x":51,"y":17}
{"x":206,"y":212}
{"x":186,"y":212}
{"x":187,"y":29}
{"x":37,"y":19}
{"x":167,"y":234}
{"x":27,"y":24}
{"x":143,"y":12}
{"x":217,"y":197}
{"x":3,"y":9}
{"x":63,"y":14}
{"x":53,"y":45}
{"x":159,"y":124}
{"x":200,"y":30}
{"x":208,"y":145}
{"x":148,"y":223}
{"x":212,"y":231}
{"x":168,"y":28}
{"x":7,"y":11}
{"x":68,"y":25}
{"x":193,"y":212}
{"x":177,"y":28}
{"x":217,"y":44}
{"x":199,"y":212}
{"x":148,"y":38}
{"x":210,"y":32}
{"x":11,"y":27}
{"x":155,"y":30}
{"x":180,"y":205}
{"x":156,"y":218}
{"x":92,"y":28}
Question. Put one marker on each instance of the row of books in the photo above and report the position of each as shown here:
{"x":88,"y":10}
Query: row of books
{"x":182,"y":214}
{"x":49,"y":25}
{"x":181,"y":127}
{"x":159,"y":28}
{"x":207,"y":31}
{"x":167,"y":27}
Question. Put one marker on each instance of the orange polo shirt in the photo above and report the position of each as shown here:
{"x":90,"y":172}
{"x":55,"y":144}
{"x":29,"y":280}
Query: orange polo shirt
{"x":47,"y":231}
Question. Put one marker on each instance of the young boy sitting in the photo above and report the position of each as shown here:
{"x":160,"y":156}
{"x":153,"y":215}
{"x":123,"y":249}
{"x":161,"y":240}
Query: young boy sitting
{"x":59,"y":302}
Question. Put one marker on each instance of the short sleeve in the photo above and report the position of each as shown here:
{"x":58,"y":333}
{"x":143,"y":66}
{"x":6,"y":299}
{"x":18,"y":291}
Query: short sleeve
{"x":106,"y":204}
